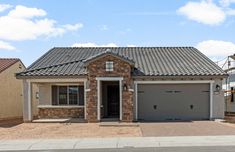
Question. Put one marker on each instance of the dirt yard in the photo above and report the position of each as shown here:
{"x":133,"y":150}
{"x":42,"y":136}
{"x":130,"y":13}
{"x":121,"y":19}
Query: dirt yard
{"x":64,"y":130}
{"x":19,"y":130}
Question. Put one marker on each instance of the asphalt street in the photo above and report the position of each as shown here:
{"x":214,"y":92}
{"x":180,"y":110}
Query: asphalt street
{"x":165,"y":149}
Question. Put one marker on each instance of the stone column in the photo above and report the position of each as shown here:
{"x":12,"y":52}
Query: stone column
{"x":91,"y":101}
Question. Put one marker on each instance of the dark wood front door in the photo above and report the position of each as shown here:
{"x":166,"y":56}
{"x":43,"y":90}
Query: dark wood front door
{"x":113,"y":100}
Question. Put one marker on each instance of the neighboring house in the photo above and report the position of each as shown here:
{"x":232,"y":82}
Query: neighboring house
{"x":124,"y":83}
{"x":11,"y":98}
{"x":229,"y":86}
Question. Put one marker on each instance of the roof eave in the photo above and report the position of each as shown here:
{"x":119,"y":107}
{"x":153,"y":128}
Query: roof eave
{"x":181,"y":77}
{"x":49,"y":76}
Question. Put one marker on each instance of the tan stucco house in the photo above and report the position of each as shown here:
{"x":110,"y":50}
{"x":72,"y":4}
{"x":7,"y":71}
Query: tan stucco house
{"x":124,"y":83}
{"x":11,"y":97}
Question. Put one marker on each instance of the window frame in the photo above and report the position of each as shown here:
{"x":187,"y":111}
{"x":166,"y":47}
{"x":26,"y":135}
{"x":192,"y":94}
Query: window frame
{"x":109,"y":66}
{"x":58,"y":95}
{"x":67,"y":99}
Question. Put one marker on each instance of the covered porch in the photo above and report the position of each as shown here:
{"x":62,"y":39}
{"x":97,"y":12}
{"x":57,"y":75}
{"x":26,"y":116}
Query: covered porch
{"x":54,"y":98}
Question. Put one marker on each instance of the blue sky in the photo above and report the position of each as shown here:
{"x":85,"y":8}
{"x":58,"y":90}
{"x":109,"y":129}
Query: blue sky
{"x":30,"y":28}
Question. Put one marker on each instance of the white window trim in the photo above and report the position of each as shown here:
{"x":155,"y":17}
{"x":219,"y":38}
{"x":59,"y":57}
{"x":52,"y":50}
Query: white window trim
{"x":99,"y":94}
{"x":210,"y":82}
{"x":109,"y":66}
{"x":68,"y":102}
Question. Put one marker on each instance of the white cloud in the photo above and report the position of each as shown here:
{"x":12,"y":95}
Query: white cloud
{"x":25,"y":23}
{"x":147,"y":13}
{"x":26,"y":12}
{"x":94,"y":45}
{"x":6,"y":46}
{"x":104,"y":28}
{"x":89,"y":44}
{"x":19,"y":29}
{"x":216,"y":49}
{"x":131,"y":45}
{"x":74,"y":27}
{"x":230,"y":12}
{"x":4,"y":7}
{"x":226,"y":3}
{"x":205,"y":12}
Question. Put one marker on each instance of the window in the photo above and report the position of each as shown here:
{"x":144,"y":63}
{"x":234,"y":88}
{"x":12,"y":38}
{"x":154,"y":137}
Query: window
{"x":109,"y":66}
{"x":62,"y":95}
{"x":68,"y":95}
{"x":73,"y":95}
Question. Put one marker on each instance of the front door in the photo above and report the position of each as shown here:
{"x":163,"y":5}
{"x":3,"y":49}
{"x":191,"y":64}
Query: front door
{"x":113,"y":100}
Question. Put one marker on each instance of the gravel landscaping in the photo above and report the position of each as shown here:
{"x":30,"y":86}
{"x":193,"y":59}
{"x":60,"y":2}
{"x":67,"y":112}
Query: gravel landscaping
{"x":64,"y":130}
{"x":19,"y":130}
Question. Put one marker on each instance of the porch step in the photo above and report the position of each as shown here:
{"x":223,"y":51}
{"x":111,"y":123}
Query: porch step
{"x":50,"y":120}
{"x":118,"y":124}
{"x":66,"y":120}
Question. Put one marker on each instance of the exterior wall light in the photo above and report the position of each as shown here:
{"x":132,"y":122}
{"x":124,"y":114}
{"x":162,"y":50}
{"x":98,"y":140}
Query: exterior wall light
{"x":125,"y":87}
{"x":37,"y":95}
{"x":217,"y":88}
{"x":232,"y":94}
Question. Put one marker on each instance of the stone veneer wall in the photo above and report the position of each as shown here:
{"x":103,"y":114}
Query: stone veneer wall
{"x":73,"y":112}
{"x":97,"y":69}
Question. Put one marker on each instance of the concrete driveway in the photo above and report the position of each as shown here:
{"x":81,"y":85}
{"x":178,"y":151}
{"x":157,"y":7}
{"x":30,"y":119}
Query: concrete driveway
{"x":191,"y":128}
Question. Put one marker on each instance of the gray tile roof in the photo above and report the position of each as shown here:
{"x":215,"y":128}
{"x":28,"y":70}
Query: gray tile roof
{"x":148,"y":61}
{"x":109,"y":51}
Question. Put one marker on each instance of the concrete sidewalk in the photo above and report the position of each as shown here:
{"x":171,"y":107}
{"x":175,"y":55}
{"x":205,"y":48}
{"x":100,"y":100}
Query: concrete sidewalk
{"x":136,"y":142}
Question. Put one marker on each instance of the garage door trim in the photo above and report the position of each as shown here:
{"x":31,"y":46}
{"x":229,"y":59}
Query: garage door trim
{"x":173,"y":82}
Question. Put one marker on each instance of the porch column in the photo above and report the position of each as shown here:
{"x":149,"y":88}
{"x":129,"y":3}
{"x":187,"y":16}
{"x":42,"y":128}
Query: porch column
{"x":27,"y":105}
{"x":120,"y":90}
{"x":211,"y":100}
{"x":98,"y":101}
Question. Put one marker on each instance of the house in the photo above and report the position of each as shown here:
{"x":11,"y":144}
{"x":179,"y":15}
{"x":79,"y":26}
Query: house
{"x":229,"y":87}
{"x":124,"y":83}
{"x":11,"y":98}
{"x":229,"y":84}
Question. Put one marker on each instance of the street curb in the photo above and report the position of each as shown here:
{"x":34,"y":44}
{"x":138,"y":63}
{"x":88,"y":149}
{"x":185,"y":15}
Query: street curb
{"x":122,"y":142}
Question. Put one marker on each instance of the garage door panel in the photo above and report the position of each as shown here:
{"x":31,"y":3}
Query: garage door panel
{"x":173,"y":101}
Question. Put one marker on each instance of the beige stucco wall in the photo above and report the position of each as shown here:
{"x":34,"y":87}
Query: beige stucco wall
{"x":45,"y":94}
{"x":11,"y":98}
{"x":44,"y":91}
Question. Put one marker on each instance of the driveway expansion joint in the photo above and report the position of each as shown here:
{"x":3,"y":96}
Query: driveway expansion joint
{"x":78,"y":141}
{"x":34,"y":144}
